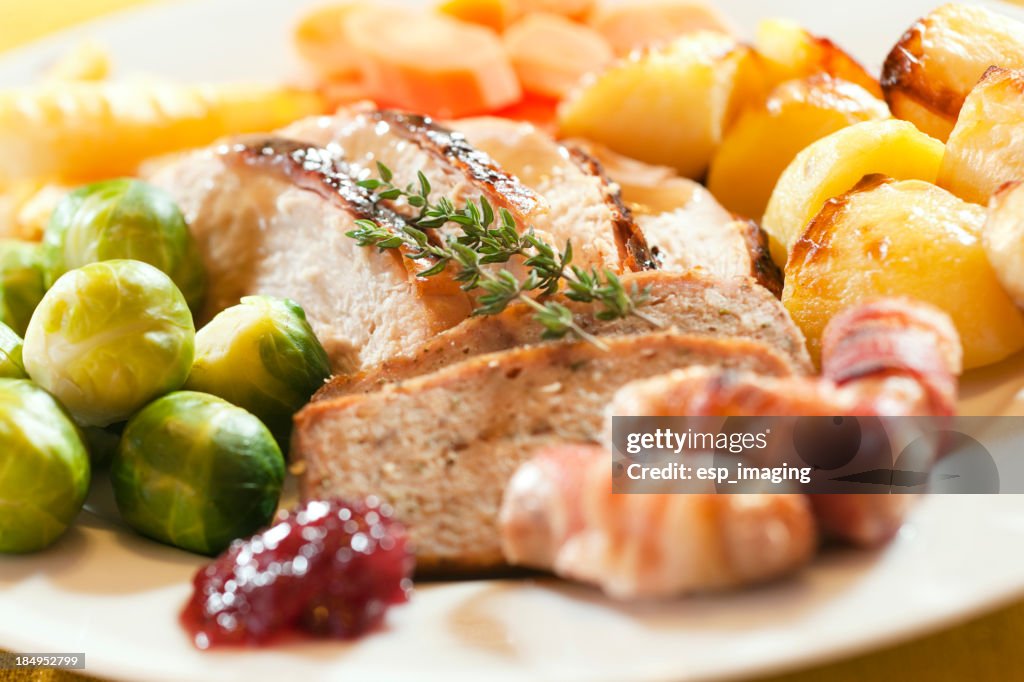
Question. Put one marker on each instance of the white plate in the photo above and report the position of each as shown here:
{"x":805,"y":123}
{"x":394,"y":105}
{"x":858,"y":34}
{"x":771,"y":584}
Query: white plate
{"x":103,"y":591}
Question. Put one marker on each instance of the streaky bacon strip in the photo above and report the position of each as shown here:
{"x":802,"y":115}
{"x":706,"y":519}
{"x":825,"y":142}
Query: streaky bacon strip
{"x":896,"y":337}
{"x":559,"y":514}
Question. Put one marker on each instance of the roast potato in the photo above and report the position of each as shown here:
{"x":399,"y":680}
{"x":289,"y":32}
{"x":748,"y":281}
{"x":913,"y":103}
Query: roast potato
{"x":986,"y":148}
{"x":790,"y":51}
{"x":939,"y":59}
{"x":1003,"y":238}
{"x":767,"y":138}
{"x":902,"y":238}
{"x":834,"y":164}
{"x":669,"y":106}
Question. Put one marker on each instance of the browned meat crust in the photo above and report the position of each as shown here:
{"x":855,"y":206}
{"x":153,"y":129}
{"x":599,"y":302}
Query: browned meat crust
{"x":317,"y":170}
{"x":478,"y":167}
{"x":634,"y":253}
{"x":763,"y":269}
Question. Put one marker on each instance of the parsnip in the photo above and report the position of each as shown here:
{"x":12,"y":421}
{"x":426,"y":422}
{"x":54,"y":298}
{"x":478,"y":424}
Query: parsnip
{"x":1003,"y":238}
{"x":83,"y":131}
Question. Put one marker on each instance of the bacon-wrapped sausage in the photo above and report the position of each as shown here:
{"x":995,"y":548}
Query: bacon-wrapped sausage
{"x":889,"y":357}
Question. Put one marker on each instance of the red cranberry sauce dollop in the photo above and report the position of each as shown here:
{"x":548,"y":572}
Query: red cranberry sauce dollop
{"x":328,"y":568}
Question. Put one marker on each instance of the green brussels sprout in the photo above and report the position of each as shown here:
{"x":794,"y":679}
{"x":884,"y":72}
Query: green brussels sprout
{"x":11,"y":366}
{"x":124,"y":219}
{"x":262,"y":356}
{"x":197,"y":472}
{"x":109,"y":338}
{"x":22,"y":282}
{"x":44,"y":468}
{"x":101,"y":443}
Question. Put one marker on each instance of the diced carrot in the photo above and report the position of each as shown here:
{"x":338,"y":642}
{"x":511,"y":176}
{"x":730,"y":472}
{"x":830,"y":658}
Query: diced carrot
{"x":320,"y":41}
{"x":635,"y":25}
{"x":338,"y":93}
{"x":577,"y":10}
{"x":542,"y":112}
{"x":551,"y":53}
{"x":494,"y":14}
{"x":431,"y":63}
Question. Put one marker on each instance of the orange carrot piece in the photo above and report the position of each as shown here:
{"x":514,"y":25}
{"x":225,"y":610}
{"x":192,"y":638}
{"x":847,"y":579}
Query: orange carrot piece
{"x":343,"y":92}
{"x":494,"y":14}
{"x":542,"y":112}
{"x":320,"y":41}
{"x":551,"y":53}
{"x":643,"y":23}
{"x":578,"y":10}
{"x":431,"y":63}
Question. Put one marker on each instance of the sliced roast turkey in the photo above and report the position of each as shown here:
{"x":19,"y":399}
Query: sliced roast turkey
{"x":271,"y":218}
{"x":684,"y":225}
{"x":441,"y":448}
{"x":563,"y":199}
{"x":688,"y":303}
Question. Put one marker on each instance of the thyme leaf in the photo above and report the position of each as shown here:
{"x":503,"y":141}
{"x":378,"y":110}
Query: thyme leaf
{"x":482,"y":237}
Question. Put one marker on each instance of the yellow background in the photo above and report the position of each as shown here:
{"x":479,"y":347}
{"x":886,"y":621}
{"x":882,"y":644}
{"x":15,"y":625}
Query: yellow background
{"x":987,"y":650}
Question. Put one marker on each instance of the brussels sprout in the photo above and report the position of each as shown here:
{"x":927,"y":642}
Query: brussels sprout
{"x":22,"y":282}
{"x":124,"y":218}
{"x":101,"y":443}
{"x":263,"y":356}
{"x":11,"y":366}
{"x":109,"y":338}
{"x":44,"y":468}
{"x":196,"y":472}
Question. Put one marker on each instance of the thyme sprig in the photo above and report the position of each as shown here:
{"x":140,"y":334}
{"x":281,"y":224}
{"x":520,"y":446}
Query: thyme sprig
{"x":484,"y":237}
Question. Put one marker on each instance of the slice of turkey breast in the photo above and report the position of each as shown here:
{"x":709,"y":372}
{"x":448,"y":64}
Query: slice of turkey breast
{"x":687,"y":303}
{"x":275,"y":223}
{"x":513,"y":165}
{"x":684,"y":225}
{"x":271,"y":220}
{"x":441,"y":448}
{"x":582,"y":204}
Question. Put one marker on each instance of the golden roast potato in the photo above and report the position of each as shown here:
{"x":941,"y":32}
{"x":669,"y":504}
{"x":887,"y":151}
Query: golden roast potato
{"x":767,"y":138}
{"x":937,"y":62}
{"x":791,"y":52}
{"x":986,"y":148}
{"x":669,"y":106}
{"x":902,"y":238}
{"x":834,"y":164}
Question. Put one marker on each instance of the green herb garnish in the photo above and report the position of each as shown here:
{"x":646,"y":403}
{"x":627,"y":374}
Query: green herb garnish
{"x":484,"y":237}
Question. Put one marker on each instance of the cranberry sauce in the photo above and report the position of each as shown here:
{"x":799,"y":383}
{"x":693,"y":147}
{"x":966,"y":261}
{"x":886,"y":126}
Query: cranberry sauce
{"x":330,"y":569}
